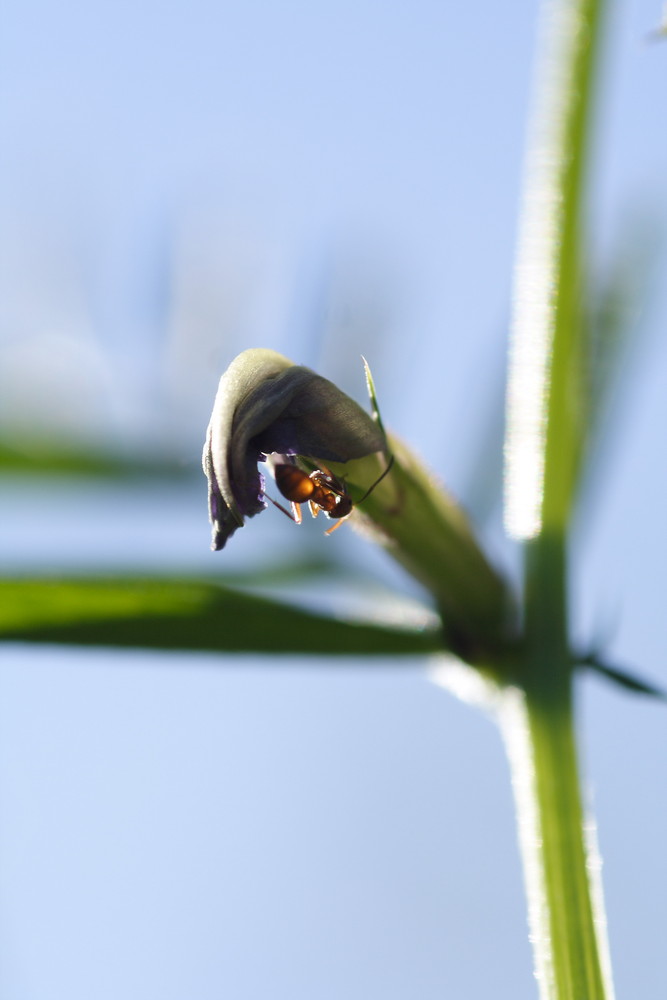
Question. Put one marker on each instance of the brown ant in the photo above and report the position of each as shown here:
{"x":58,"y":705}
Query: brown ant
{"x":321,"y":489}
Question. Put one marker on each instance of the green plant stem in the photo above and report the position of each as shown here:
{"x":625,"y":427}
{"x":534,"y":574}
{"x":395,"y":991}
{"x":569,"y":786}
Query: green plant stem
{"x":539,"y":735}
{"x":570,"y":952}
{"x":576,"y":964}
{"x":547,"y":390}
{"x":547,"y":409}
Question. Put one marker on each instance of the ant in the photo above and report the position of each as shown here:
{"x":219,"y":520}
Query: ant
{"x":321,"y":489}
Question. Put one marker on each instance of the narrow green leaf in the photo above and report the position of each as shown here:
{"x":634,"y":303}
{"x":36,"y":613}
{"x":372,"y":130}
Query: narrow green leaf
{"x":623,"y":678}
{"x":187,"y":615}
{"x":370,"y":385}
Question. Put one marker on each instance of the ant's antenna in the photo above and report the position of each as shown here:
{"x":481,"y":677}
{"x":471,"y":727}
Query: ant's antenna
{"x":377,"y":482}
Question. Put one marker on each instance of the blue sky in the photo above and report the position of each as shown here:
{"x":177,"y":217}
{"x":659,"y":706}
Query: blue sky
{"x":180,"y":182}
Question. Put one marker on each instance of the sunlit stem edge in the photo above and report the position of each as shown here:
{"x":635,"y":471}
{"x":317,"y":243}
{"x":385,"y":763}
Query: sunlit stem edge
{"x":568,"y":935}
{"x":544,"y":411}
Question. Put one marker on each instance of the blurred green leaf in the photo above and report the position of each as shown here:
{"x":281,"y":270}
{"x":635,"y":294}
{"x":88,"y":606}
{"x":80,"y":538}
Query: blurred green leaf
{"x":45,"y":456}
{"x":310,"y":566}
{"x":483,"y":488}
{"x":187,"y":615}
{"x":615,"y":313}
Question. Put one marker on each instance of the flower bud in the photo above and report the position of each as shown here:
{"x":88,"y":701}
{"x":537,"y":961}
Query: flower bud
{"x":267,"y":405}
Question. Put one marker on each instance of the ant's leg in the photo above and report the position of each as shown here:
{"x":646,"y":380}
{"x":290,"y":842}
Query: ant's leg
{"x":335,"y":525}
{"x":296,"y":510}
{"x":314,"y":508}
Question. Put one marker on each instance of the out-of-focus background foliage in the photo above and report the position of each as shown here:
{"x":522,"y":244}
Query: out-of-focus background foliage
{"x":180,"y":182}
